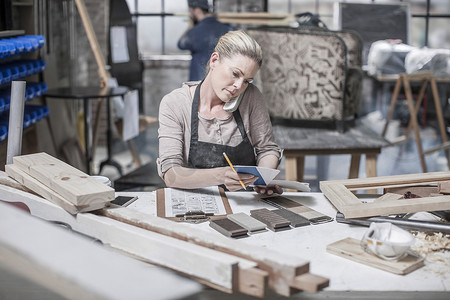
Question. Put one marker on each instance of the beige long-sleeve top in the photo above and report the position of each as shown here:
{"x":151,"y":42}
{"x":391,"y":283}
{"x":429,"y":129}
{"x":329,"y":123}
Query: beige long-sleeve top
{"x":175,"y":127}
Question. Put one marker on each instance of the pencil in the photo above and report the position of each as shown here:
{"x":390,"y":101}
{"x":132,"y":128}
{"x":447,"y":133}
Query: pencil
{"x":232,"y":168}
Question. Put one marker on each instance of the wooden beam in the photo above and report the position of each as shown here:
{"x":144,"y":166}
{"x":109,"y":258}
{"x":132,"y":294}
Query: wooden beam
{"x":221,"y":271}
{"x":74,"y":267}
{"x":73,"y":185}
{"x":338,"y":192}
{"x":95,"y":46}
{"x":36,"y":186}
{"x":282,"y":269}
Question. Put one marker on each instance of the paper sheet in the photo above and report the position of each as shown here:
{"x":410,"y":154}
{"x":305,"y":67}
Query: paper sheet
{"x":179,"y":201}
{"x":119,"y":45}
{"x":131,"y":115}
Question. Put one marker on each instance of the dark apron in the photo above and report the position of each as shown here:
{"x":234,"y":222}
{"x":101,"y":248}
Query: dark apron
{"x":204,"y":155}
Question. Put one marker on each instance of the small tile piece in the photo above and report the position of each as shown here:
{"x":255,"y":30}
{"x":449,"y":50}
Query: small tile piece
{"x":228,"y":227}
{"x":272,"y":220}
{"x":246,"y":221}
{"x":296,"y":220}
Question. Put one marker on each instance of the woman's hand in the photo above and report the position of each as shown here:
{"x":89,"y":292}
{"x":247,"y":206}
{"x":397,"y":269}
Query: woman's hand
{"x":268,"y":190}
{"x":232,"y":180}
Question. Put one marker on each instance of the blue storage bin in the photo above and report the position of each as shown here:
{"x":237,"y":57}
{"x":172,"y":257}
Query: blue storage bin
{"x":30,"y":93}
{"x":19,"y":44}
{"x":7,"y":75}
{"x":3,"y":49}
{"x":2,"y":104}
{"x":3,"y":132}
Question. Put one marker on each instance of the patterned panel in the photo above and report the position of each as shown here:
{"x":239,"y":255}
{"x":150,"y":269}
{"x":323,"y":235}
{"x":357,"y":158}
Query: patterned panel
{"x":303,"y":74}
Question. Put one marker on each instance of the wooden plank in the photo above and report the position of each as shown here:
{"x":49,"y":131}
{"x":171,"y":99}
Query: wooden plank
{"x":311,"y":283}
{"x":273,"y":221}
{"x":39,"y":188}
{"x":350,"y":248}
{"x":393,"y":180}
{"x":228,"y":228}
{"x":72,"y":184}
{"x":8,"y":181}
{"x":282,"y":269}
{"x":338,"y":193}
{"x":249,"y":223}
{"x":73,"y":267}
{"x":36,"y":186}
{"x":138,"y":242}
{"x":397,"y":207}
{"x":93,"y":41}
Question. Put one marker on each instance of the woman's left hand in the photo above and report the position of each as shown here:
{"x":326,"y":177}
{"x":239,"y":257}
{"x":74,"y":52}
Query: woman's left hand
{"x":268,"y":190}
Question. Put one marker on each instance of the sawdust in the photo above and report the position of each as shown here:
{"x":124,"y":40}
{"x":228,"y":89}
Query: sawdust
{"x":434,"y":248}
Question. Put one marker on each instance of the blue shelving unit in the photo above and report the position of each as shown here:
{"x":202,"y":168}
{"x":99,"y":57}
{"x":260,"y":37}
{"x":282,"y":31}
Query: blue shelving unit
{"x":13,"y":67}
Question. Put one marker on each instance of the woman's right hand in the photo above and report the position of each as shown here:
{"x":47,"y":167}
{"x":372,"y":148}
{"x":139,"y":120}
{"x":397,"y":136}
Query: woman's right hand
{"x":232,"y":180}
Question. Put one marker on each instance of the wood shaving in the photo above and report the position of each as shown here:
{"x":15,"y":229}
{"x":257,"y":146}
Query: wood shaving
{"x":435,"y":247}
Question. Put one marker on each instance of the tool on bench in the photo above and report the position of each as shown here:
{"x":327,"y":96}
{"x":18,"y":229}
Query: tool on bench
{"x":194,"y":216}
{"x":424,"y":226}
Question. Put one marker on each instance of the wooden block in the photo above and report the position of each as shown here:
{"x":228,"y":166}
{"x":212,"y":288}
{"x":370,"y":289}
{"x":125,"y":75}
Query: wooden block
{"x":444,"y":187}
{"x":253,"y":281}
{"x":389,"y":197}
{"x":313,"y":216}
{"x":273,"y":221}
{"x":282,"y":269}
{"x":34,"y":185}
{"x":228,"y":228}
{"x":249,"y":223}
{"x":350,"y":248}
{"x":72,"y":184}
{"x":295,"y":219}
{"x":311,"y":283}
{"x":40,"y":189}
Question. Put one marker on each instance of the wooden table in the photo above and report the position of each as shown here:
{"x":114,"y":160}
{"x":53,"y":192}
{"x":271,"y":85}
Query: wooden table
{"x":299,"y":142}
{"x":348,"y":279}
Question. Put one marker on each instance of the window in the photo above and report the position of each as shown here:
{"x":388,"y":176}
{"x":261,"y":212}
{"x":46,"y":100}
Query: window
{"x":162,"y":22}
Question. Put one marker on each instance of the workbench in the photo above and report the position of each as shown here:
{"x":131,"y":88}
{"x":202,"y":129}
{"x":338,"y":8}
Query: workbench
{"x":299,"y":142}
{"x":347,"y":278}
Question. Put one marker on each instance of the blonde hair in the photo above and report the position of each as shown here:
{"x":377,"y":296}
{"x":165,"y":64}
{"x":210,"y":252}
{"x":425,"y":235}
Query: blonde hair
{"x":239,"y":43}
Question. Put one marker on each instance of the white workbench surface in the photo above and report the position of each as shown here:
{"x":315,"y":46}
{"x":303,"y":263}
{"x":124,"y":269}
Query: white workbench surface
{"x":309,"y":243}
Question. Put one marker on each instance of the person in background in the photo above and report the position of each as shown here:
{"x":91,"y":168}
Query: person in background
{"x":201,"y":37}
{"x":201,"y":120}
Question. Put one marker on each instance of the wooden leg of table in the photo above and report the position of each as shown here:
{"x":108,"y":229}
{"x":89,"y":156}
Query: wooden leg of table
{"x":354,"y":166}
{"x":413,"y":119}
{"x":371,"y":169}
{"x":371,"y":165}
{"x":294,"y":167}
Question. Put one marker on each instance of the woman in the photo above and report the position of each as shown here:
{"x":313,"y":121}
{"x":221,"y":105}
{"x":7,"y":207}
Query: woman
{"x":195,"y":129}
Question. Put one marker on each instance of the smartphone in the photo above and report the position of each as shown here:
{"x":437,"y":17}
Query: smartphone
{"x":124,"y":200}
{"x":233,"y":104}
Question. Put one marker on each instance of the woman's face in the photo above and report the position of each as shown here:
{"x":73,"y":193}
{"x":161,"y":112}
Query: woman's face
{"x":231,"y":76}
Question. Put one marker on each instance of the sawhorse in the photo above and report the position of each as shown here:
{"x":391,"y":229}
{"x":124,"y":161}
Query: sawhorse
{"x":425,"y":78}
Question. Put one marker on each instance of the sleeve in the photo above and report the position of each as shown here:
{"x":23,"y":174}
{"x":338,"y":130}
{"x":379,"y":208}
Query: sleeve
{"x":186,"y":42}
{"x":260,"y":128}
{"x":171,"y":132}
